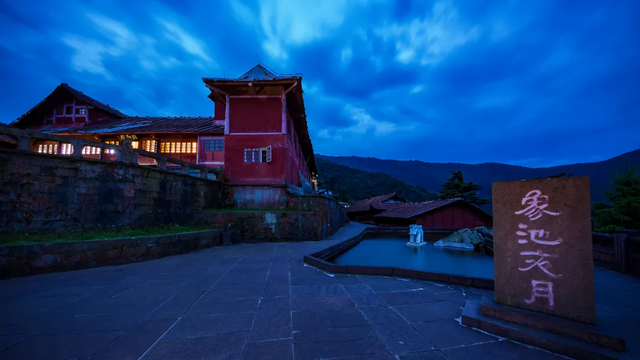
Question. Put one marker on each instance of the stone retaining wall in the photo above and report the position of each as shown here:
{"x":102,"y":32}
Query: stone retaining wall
{"x":263,"y":226}
{"x":42,"y":193}
{"x":30,"y":259}
{"x":307,"y":217}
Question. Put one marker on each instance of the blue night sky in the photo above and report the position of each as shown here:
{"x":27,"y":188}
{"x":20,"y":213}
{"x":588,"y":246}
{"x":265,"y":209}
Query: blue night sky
{"x":533,"y":83}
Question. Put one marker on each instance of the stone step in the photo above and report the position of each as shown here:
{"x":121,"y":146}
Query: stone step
{"x":551,"y":324}
{"x":473,"y":317}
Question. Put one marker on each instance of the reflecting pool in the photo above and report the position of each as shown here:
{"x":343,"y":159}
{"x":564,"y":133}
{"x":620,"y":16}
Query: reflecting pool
{"x":393,"y":252}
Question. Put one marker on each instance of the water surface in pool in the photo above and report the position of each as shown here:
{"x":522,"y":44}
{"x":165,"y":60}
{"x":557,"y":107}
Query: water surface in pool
{"x":393,"y":252}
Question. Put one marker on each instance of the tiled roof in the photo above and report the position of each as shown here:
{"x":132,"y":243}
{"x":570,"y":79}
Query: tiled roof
{"x":409,"y":210}
{"x":147,"y":124}
{"x":9,"y":139}
{"x":375,"y":202}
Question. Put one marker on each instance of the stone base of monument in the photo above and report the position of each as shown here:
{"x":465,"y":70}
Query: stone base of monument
{"x":558,"y":335}
{"x":412,"y":244}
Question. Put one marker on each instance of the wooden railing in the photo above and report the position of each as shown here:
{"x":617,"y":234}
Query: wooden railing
{"x":124,"y":153}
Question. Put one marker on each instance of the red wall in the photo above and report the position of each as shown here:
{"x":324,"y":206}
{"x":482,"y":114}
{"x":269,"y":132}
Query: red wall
{"x":296,"y":163}
{"x":255,"y":115}
{"x":457,"y":215}
{"x":218,"y":111}
{"x":240,"y":172}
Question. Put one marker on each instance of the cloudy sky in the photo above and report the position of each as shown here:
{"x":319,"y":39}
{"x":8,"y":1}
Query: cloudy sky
{"x":533,"y":83}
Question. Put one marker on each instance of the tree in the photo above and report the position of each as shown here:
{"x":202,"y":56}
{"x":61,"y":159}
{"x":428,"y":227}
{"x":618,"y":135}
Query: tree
{"x":343,"y":195}
{"x":455,"y":187}
{"x":623,"y":212}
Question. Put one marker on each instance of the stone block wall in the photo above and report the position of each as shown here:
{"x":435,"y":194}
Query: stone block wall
{"x":307,"y":218}
{"x":41,"y":193}
{"x":30,"y":259}
{"x":329,"y":212}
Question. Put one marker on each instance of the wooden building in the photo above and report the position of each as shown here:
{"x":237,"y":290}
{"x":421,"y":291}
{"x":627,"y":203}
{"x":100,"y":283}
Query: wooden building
{"x":268,"y":150}
{"x":365,"y":210}
{"x":258,"y":133}
{"x":436,"y":214}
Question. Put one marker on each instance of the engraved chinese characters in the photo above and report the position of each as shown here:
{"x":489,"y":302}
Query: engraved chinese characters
{"x":542,"y":246}
{"x":537,"y":203}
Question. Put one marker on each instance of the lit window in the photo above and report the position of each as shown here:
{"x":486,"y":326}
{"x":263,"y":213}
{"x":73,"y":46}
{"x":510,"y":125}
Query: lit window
{"x":111,"y":142}
{"x":67,"y":149}
{"x":149,"y":145}
{"x":134,"y":144}
{"x":81,"y":111}
{"x":49,"y":148}
{"x":178,"y":147}
{"x":91,"y":150}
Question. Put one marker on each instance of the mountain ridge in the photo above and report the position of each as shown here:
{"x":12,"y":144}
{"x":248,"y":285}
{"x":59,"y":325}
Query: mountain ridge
{"x":431,"y":175}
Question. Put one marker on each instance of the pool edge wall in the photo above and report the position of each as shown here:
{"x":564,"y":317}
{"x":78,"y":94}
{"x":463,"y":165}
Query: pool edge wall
{"x":322,"y":258}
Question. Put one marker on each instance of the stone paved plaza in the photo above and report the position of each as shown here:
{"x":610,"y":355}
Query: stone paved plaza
{"x":250,"y":301}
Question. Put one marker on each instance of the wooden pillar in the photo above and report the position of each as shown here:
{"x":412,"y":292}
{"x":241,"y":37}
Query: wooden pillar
{"x":226,"y":114}
{"x":284,"y":114}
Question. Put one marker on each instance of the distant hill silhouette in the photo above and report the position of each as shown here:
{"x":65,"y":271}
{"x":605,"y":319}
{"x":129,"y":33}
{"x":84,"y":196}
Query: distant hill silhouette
{"x":362,"y":185}
{"x":431,"y":175}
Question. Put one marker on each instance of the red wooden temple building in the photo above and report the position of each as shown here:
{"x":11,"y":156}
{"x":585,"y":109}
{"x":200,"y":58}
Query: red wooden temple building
{"x":258,"y":133}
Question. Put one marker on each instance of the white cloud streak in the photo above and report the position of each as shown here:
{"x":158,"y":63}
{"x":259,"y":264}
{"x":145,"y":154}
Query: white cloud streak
{"x":427,"y":41}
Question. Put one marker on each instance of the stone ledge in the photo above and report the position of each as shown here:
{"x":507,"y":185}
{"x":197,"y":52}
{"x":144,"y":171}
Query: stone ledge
{"x":32,"y":259}
{"x":551,"y":324}
{"x":473,"y":317}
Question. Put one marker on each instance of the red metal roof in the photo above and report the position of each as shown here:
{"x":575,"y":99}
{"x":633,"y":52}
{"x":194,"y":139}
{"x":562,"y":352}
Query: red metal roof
{"x":375,"y":202}
{"x":409,"y":210}
{"x":139,"y":124}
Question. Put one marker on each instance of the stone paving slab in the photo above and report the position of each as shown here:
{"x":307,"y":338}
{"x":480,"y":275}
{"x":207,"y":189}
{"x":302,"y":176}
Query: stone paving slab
{"x":255,"y":301}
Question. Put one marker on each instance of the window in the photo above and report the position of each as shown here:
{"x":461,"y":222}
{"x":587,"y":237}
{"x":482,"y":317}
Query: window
{"x":91,"y":150}
{"x":48,"y":148}
{"x":149,"y":145}
{"x":68,"y":110}
{"x":214,"y":145}
{"x":81,"y":111}
{"x":134,"y":144}
{"x":178,"y":147}
{"x":111,"y":142}
{"x":67,"y":149}
{"x":258,"y":155}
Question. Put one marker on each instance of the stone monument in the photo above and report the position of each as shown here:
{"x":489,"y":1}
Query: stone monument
{"x":416,"y":236}
{"x":543,"y":271}
{"x":542,"y":246}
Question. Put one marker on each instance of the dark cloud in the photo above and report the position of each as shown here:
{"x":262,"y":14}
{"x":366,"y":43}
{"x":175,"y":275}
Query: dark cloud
{"x":533,"y":83}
